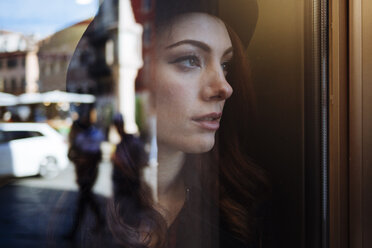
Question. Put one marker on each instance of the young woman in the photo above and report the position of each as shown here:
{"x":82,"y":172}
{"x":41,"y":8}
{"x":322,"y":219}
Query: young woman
{"x":208,"y":188}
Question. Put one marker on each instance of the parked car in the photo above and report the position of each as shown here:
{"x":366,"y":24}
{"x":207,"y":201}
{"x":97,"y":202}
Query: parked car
{"x":28,"y":149}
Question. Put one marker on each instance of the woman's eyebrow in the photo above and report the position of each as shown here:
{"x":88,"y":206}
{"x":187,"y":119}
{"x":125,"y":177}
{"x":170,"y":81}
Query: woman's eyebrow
{"x":198,"y":44}
{"x":195,"y":43}
{"x":227,"y":51}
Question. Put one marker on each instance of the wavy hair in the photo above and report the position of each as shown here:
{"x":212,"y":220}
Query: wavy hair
{"x":232,"y":183}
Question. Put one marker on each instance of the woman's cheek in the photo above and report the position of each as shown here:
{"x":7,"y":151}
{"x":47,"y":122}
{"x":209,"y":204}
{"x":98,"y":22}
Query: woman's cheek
{"x":172,"y":91}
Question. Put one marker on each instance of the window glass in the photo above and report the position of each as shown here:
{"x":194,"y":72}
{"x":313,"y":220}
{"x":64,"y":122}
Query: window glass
{"x":13,"y":83}
{"x":202,"y":105}
{"x":16,"y":135}
{"x":6,"y":86}
{"x":23,"y":84}
{"x":12,"y":62}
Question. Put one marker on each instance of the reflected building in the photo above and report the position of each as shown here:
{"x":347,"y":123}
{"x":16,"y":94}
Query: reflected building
{"x":97,"y":58}
{"x":90,"y":70}
{"x":19,"y":71}
{"x":54,"y":55}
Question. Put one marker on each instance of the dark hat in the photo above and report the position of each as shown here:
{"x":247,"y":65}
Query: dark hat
{"x":240,"y":15}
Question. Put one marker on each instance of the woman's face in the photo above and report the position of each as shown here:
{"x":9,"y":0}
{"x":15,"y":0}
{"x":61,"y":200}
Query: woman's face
{"x":192,"y":57}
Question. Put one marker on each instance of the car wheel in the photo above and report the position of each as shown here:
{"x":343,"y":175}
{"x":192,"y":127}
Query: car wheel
{"x":49,"y":168}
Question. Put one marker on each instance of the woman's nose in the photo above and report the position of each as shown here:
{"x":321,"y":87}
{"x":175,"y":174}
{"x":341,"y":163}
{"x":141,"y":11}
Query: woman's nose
{"x":217,"y":87}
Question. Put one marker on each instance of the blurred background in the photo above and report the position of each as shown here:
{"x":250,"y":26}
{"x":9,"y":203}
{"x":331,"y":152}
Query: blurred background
{"x":38,"y":192}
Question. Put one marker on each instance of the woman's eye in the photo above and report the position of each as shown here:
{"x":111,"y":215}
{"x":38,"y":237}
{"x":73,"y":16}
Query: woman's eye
{"x":192,"y":62}
{"x":188,"y":61}
{"x":225,"y":67}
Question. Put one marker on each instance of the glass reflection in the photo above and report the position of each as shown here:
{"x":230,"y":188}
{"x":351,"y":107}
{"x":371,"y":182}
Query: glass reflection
{"x":200,"y":189}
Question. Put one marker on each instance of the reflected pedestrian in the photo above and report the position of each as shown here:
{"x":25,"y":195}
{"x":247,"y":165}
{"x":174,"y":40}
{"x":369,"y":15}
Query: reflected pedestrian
{"x":85,"y":140}
{"x":128,"y":160}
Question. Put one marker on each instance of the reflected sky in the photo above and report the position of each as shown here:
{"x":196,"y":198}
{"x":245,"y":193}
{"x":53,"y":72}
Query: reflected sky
{"x":44,"y":17}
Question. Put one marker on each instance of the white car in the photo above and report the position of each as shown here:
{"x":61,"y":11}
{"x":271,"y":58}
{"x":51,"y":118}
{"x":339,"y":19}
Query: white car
{"x":28,"y":149}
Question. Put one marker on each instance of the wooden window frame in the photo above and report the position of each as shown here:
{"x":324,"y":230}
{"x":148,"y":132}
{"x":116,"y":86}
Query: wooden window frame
{"x":338,"y":124}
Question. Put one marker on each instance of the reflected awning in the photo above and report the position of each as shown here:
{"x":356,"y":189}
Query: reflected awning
{"x":55,"y":96}
{"x":7,"y":99}
{"x":30,"y":98}
{"x":61,"y":96}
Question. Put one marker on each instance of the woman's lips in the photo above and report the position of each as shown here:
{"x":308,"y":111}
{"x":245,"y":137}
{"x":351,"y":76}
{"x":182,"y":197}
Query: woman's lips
{"x":209,"y":121}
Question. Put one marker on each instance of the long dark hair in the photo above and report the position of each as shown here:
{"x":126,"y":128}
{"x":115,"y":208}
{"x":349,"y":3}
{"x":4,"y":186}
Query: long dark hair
{"x":242,"y":183}
{"x":229,"y":178}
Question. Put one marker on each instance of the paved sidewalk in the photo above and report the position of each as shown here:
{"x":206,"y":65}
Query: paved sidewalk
{"x":38,"y":213}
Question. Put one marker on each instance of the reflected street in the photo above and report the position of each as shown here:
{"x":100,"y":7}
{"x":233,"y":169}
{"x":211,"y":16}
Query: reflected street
{"x":38,"y":211}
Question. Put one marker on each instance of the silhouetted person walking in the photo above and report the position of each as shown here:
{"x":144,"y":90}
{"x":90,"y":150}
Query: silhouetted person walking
{"x":85,"y":153}
{"x":128,"y":161}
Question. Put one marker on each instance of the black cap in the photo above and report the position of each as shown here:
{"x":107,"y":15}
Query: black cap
{"x":240,"y":15}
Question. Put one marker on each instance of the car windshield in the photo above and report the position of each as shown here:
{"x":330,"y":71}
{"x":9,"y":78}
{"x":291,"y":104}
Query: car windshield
{"x":6,"y":136}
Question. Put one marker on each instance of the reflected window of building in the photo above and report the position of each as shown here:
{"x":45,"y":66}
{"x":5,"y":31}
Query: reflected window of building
{"x":57,"y":67}
{"x":23,"y":84}
{"x":47,"y":70}
{"x":4,"y":63}
{"x":23,"y":61}
{"x":5,"y":83}
{"x":12,"y":62}
{"x":2,"y":84}
{"x":13,"y":84}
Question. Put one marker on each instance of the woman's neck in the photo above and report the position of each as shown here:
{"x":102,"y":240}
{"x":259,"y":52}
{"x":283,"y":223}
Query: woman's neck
{"x":170,"y":165}
{"x":171,"y":187}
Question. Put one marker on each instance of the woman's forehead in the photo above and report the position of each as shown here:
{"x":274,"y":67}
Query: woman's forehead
{"x":196,"y":26}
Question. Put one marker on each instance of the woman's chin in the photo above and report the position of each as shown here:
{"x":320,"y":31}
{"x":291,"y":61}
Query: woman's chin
{"x":199,"y":146}
{"x":190,"y":144}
